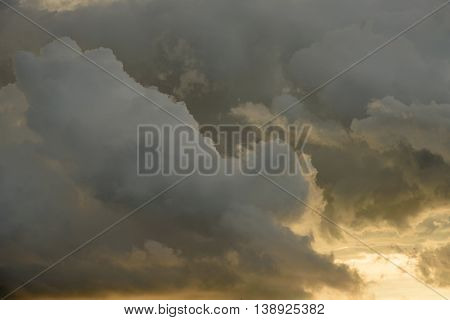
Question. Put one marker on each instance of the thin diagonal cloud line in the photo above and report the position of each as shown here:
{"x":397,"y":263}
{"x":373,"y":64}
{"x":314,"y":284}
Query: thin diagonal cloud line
{"x":97,"y":236}
{"x":365,"y":244}
{"x":359,"y":61}
{"x":115,"y":77}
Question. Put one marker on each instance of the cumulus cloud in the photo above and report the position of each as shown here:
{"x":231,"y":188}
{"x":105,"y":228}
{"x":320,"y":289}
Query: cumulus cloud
{"x":388,"y":167}
{"x":378,"y":143}
{"x":364,"y":185}
{"x":212,"y":234}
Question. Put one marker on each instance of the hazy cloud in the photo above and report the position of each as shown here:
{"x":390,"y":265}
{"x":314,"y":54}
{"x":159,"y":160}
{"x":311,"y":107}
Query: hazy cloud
{"x":379,"y":142}
{"x":434,"y":265}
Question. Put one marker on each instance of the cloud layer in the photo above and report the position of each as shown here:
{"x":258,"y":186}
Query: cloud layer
{"x":76,"y":173}
{"x":434,"y":266}
{"x":379,"y":144}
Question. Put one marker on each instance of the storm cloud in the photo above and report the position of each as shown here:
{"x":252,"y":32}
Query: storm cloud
{"x":379,"y":146}
{"x":76,"y":174}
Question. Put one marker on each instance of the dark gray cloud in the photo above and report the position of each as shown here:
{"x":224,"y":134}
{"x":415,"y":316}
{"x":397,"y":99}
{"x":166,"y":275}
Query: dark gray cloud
{"x":388,"y":167}
{"x":212,"y":234}
{"x":390,"y":122}
{"x":379,"y":142}
{"x":399,"y":70}
{"x":216,"y":54}
{"x":362,"y":185}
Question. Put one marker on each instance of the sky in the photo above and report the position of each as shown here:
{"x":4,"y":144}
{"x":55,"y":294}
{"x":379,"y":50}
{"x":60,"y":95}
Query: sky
{"x":379,"y":149}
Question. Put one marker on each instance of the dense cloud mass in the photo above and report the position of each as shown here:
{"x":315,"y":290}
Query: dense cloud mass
{"x":380,"y":170}
{"x":72,"y":172}
{"x":213,"y":54}
{"x":379,"y":149}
